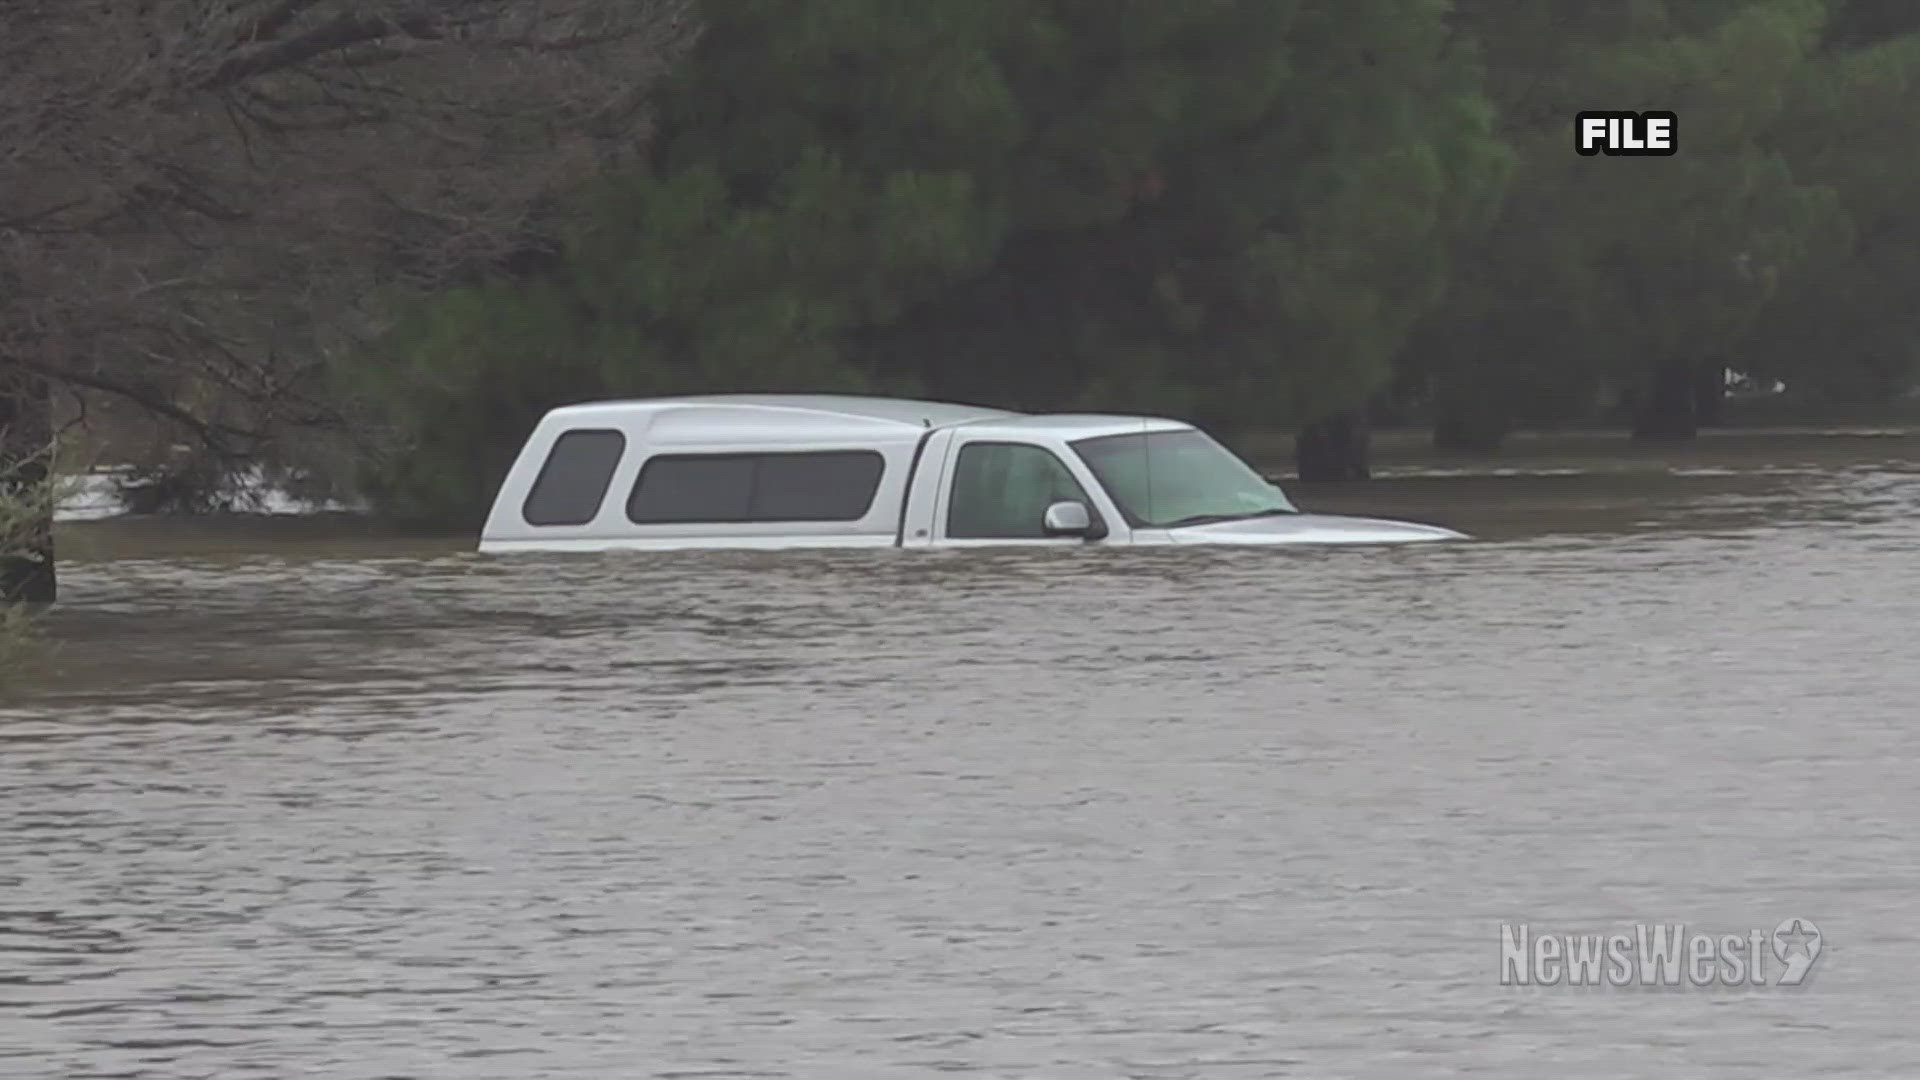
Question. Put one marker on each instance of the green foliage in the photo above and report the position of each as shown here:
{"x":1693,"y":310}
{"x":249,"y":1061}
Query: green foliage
{"x":1246,"y":212}
{"x":1237,"y":216}
{"x":1615,"y":272}
{"x":807,"y":182}
{"x":1844,"y":327}
{"x":457,"y":385}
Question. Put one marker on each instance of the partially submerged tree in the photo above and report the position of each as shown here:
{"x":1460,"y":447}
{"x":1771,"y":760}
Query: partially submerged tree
{"x":203,"y":201}
{"x":26,"y":501}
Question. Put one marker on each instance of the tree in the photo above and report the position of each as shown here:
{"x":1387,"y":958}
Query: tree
{"x":809,"y":177}
{"x":1231,"y":210}
{"x":1235,"y":213}
{"x":1636,"y":274}
{"x":203,"y":201}
{"x":1843,"y":326}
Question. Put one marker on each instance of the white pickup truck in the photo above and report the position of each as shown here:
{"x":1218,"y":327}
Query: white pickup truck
{"x":780,"y":471}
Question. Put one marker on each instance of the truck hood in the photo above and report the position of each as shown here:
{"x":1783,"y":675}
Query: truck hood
{"x":1311,"y":529}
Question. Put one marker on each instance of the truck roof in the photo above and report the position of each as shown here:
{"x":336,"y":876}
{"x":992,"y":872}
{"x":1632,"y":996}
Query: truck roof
{"x":902,"y":411}
{"x":918,"y":414}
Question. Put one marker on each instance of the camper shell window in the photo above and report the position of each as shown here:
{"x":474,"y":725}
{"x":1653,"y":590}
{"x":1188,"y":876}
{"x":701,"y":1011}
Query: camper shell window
{"x":831,"y":485}
{"x":574,"y":479}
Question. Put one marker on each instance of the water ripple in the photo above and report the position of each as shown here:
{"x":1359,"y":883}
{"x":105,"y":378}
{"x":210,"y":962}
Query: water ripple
{"x":1019,"y":814}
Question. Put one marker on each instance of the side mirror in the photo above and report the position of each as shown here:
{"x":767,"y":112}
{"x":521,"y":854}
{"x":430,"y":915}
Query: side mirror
{"x":1070,"y":519}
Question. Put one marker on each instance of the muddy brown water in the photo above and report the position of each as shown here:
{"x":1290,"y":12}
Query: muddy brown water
{"x":291,"y":800}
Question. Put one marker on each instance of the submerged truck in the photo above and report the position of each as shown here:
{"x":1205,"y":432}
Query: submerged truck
{"x":799,"y":471}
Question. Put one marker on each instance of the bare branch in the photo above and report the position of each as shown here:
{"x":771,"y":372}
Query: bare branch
{"x":200,"y":198}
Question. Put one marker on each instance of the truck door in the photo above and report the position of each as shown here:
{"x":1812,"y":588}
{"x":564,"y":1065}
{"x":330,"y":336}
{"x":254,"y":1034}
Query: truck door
{"x":996,"y":490}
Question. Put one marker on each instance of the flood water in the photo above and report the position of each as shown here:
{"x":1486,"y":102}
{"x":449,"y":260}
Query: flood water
{"x":345,"y":807}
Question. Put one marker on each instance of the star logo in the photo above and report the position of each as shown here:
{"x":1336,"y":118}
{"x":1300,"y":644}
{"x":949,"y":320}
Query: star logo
{"x":1800,"y":939}
{"x":1796,"y":942}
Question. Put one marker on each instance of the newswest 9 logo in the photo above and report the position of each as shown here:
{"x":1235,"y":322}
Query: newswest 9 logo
{"x":1618,"y":133}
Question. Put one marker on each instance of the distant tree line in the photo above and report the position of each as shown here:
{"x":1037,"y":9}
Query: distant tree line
{"x":1253,"y":214}
{"x":378,"y":239}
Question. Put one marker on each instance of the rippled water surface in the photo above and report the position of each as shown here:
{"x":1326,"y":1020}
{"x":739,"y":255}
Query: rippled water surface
{"x":357,"y":809}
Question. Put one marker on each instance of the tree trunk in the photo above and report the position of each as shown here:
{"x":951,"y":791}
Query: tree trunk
{"x":1665,"y":407}
{"x":26,"y":455}
{"x":1335,"y":448}
{"x":1710,"y":395}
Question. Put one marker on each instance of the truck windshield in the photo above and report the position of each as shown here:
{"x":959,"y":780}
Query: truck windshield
{"x":1166,"y":479}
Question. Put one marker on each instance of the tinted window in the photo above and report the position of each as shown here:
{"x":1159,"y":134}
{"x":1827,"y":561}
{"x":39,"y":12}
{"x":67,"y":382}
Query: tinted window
{"x":816,"y":487}
{"x":836,"y":485}
{"x":1002,"y":490}
{"x":692,"y":489}
{"x":574,"y":479}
